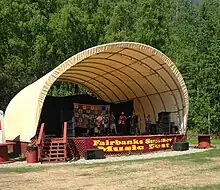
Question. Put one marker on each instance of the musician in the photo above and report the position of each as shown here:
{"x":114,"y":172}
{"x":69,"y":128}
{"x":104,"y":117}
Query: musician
{"x":122,"y":123}
{"x":135,"y":124}
{"x":99,"y":122}
{"x":148,"y":124}
{"x":86,"y":123}
{"x":91,"y":130}
{"x":106,"y":126}
{"x":113,"y":129}
{"x":128,"y":125}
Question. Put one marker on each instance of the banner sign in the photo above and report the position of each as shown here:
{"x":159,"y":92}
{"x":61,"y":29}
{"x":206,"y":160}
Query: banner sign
{"x":132,"y":144}
{"x":126,"y":144}
{"x":81,"y":110}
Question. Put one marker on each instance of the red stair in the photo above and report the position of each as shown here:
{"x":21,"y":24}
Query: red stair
{"x":52,"y":149}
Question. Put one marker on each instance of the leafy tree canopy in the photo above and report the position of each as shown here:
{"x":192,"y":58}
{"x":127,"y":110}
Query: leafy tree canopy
{"x":37,"y":35}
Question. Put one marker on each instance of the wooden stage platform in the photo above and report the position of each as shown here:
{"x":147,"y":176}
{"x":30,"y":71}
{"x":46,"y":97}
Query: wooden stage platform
{"x":123,"y":145}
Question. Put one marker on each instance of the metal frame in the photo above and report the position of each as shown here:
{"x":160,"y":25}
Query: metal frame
{"x":176,"y":103}
{"x":74,"y":82}
{"x":79,"y":66}
{"x":87,"y":61}
{"x":88,"y":81}
{"x":151,"y":69}
{"x":80,"y":79}
{"x":98,"y":75}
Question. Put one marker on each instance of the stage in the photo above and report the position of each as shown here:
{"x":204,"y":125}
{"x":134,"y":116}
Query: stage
{"x":122,"y":145}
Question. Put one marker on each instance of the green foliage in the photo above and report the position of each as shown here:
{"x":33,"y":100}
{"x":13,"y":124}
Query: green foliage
{"x":61,"y":89}
{"x":38,"y":35}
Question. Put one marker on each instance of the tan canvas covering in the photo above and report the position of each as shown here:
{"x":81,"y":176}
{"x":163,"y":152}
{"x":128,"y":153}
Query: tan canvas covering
{"x":115,"y":72}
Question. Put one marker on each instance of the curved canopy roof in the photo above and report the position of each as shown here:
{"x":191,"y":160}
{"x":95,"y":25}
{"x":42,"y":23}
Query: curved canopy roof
{"x":115,"y":72}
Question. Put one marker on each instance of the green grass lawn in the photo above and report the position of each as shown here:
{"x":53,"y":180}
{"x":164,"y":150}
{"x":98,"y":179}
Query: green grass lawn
{"x":196,"y":171}
{"x":200,"y":157}
{"x":207,"y":187}
{"x":193,"y":140}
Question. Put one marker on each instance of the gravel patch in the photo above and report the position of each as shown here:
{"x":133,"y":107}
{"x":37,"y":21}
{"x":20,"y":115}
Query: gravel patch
{"x":159,"y":154}
{"x":140,"y":157}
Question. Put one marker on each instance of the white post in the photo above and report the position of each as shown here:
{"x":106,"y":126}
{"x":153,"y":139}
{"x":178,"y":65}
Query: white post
{"x":2,"y":132}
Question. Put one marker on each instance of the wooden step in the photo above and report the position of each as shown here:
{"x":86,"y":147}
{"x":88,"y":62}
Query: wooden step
{"x":49,"y":149}
{"x":52,"y":161}
{"x":46,"y":138}
{"x":57,"y":140}
{"x":54,"y":150}
{"x":52,"y":155}
{"x":54,"y":143}
{"x":61,"y":159}
{"x":54,"y":158}
{"x":54,"y":146}
{"x":55,"y":154}
{"x":54,"y":140}
{"x":57,"y":144}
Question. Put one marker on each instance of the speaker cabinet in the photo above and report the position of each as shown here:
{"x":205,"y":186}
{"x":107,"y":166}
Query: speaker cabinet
{"x":180,"y":146}
{"x":94,"y":154}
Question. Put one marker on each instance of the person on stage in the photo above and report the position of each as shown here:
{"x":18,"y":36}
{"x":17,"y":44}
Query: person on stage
{"x":128,"y":123}
{"x":86,"y":123}
{"x":135,"y":124}
{"x":96,"y":129}
{"x":99,"y":123}
{"x":122,"y":123}
{"x":148,"y":124}
{"x":113,"y":130}
{"x":92,"y":126}
{"x":106,"y":126}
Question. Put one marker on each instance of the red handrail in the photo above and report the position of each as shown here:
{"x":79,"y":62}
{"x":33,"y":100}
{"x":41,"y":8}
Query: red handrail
{"x":65,"y":132}
{"x":41,"y":134}
{"x":65,"y":139}
{"x":41,"y":138}
{"x":40,"y":142}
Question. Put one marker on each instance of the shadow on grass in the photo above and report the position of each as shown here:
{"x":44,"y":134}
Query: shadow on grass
{"x":200,"y":158}
{"x":206,"y":187}
{"x":21,"y":170}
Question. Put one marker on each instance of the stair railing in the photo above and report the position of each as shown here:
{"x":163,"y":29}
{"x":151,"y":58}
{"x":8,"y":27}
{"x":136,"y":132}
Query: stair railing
{"x":40,"y":142}
{"x":65,"y":139}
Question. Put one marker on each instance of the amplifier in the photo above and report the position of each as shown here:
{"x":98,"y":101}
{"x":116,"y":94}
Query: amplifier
{"x":180,"y":146}
{"x":94,"y":154}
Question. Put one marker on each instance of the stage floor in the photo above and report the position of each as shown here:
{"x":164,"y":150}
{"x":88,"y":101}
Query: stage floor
{"x":112,"y":145}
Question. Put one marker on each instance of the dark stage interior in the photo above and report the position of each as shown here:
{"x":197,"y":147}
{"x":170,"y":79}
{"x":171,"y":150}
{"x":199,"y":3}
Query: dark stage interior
{"x":57,"y":110}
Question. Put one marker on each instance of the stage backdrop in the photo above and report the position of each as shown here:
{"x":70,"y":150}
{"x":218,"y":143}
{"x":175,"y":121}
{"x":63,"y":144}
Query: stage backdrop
{"x":57,"y":110}
{"x":81,"y":110}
